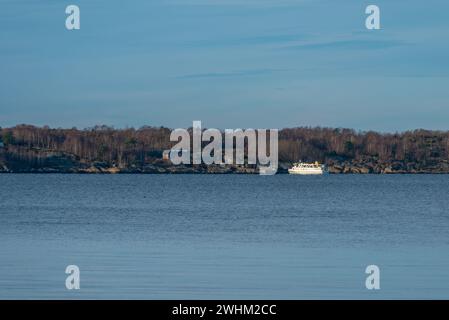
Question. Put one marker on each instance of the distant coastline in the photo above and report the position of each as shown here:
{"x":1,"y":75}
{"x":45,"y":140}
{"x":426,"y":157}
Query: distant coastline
{"x":105,"y":150}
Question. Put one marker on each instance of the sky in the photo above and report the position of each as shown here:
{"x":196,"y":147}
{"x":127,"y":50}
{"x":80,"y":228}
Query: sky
{"x":228,"y":63}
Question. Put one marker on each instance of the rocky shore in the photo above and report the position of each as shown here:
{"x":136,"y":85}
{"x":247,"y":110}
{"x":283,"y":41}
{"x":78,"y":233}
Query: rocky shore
{"x":58,"y":162}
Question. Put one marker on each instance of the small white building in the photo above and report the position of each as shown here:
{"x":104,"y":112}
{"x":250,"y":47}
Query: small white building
{"x":166,"y":155}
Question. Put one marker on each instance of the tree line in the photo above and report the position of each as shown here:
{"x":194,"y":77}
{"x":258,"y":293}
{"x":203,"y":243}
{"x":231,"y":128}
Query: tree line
{"x":130,"y":146}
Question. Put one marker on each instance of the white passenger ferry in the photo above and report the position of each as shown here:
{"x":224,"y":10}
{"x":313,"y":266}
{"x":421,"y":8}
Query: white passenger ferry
{"x":307,"y":168}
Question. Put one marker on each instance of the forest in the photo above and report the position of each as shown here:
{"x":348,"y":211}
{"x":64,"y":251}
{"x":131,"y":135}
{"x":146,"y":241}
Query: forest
{"x":27,"y":148}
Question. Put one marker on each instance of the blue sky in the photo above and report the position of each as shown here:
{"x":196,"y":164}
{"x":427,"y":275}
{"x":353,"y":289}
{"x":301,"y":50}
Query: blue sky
{"x":228,"y":63}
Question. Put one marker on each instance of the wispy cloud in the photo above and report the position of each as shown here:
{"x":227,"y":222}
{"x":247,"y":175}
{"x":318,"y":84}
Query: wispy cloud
{"x":231,"y":74}
{"x":353,"y":44}
{"x":248,"y":41}
{"x":253,"y":3}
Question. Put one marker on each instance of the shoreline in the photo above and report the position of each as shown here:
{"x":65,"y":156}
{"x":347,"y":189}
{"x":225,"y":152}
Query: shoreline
{"x":190,"y":172}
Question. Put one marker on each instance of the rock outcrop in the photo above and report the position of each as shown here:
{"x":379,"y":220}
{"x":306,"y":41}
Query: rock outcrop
{"x":49,"y":161}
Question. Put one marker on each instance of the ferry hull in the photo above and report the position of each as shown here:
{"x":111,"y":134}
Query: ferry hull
{"x":306,"y":172}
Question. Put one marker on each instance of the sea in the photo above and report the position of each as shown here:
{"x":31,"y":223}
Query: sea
{"x":195,"y":236}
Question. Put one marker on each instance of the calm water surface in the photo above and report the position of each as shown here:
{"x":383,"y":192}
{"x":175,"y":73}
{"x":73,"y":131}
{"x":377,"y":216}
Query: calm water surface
{"x":224,"y":236}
